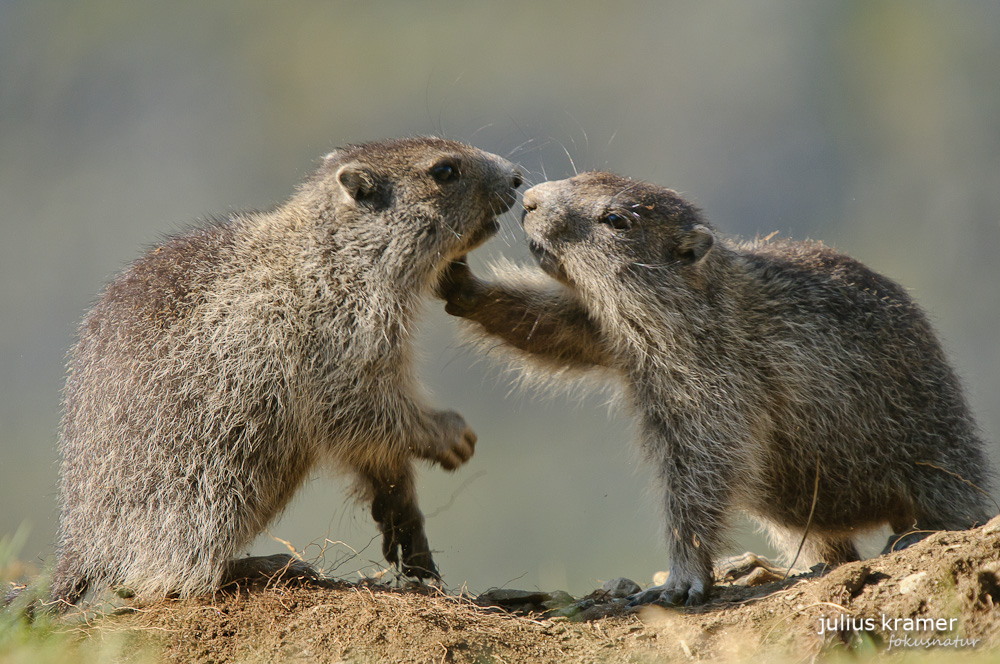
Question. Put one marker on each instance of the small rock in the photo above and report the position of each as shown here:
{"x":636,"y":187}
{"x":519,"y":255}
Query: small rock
{"x":909,"y":584}
{"x":660,"y":578}
{"x":854,"y":578}
{"x":558,"y":599}
{"x":620,"y":587}
{"x":572,"y":611}
{"x":848,"y":581}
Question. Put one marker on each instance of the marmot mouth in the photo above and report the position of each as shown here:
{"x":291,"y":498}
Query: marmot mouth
{"x":488,"y":229}
{"x":548,"y":262}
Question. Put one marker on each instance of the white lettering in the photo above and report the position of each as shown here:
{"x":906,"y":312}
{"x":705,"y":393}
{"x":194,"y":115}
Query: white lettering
{"x":900,"y":632}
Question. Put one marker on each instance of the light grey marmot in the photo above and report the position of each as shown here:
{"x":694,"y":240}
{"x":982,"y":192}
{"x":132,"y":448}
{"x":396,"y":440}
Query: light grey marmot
{"x":757,"y":372}
{"x":228,"y":362}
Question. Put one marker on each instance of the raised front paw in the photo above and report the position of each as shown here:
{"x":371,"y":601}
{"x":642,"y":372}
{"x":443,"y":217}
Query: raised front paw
{"x":456,"y":442}
{"x":458,"y":288}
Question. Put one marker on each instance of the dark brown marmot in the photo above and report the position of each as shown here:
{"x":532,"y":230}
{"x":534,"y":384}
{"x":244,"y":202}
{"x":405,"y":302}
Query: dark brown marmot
{"x":229,"y":361}
{"x":755,"y":370}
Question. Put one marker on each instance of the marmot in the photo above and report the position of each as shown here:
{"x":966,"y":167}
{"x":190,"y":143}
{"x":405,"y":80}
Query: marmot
{"x":229,"y":361}
{"x":759,"y":372}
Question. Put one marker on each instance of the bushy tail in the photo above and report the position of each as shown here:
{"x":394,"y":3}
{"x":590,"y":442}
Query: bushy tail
{"x":32,"y":598}
{"x":13,"y":592}
{"x":68,"y":587}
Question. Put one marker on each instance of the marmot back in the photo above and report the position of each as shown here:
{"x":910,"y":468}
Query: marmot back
{"x":229,"y":361}
{"x":755,"y":370}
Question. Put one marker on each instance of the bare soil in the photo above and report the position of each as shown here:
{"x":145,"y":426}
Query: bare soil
{"x":952,"y":577}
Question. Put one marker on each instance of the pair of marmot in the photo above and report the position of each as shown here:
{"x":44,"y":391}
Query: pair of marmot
{"x":225,"y":364}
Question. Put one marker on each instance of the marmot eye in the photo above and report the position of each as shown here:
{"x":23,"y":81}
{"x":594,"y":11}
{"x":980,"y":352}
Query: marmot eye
{"x":445,"y":171}
{"x":617,"y":221}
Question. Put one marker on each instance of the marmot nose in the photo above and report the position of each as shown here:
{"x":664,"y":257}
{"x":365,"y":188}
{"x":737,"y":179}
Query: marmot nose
{"x":530,"y":200}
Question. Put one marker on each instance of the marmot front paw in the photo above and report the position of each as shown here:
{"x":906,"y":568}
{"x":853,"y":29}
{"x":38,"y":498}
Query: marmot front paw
{"x":457,"y":442}
{"x":459,"y":288}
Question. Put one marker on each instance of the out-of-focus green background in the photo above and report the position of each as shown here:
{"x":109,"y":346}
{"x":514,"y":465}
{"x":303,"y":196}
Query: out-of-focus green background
{"x":874,"y":126}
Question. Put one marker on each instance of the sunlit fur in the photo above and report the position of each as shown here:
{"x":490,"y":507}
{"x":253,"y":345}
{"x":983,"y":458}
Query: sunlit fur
{"x":751,"y":367}
{"x":218,"y":370}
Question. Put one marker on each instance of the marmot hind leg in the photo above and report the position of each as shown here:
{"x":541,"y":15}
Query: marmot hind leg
{"x":941,"y":503}
{"x":830,"y":549}
{"x":265,"y":570}
{"x":751,"y":569}
{"x":394,"y":508}
{"x":69,"y":585}
{"x":819,"y":547}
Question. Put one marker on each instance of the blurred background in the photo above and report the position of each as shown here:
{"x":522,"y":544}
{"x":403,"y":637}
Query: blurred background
{"x":873,"y":126}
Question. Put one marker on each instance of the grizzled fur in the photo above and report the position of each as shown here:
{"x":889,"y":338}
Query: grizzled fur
{"x":230,"y":361}
{"x":750,"y":367}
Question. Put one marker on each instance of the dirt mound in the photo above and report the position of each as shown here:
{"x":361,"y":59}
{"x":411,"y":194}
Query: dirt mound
{"x":946,"y":588}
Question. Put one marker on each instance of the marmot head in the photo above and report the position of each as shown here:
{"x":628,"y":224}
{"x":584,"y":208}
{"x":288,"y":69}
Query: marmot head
{"x":416,"y":203}
{"x":599,"y":225}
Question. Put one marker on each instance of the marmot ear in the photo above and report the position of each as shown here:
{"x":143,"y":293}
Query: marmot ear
{"x":696,"y":242}
{"x":356,"y":180}
{"x":331,"y":157}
